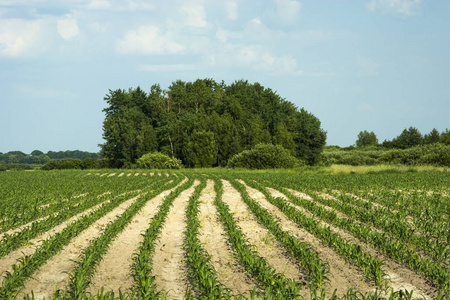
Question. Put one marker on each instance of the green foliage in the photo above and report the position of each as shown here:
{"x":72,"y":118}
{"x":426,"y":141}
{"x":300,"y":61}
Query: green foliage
{"x":61,"y":164}
{"x":91,"y":163}
{"x":432,"y":137}
{"x":435,"y":154}
{"x":157,"y":160}
{"x":202,"y":149}
{"x":445,"y":137}
{"x":366,"y":138}
{"x":408,"y":138}
{"x":264,"y":156}
{"x":188,"y":114}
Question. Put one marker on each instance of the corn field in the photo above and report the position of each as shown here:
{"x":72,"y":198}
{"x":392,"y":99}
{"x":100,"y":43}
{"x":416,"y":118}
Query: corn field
{"x":220,"y":234}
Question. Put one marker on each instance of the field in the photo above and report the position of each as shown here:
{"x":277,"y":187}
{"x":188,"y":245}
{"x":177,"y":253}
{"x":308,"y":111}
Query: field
{"x":220,"y":234}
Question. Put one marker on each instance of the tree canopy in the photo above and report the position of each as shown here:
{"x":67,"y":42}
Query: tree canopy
{"x":204,"y":123}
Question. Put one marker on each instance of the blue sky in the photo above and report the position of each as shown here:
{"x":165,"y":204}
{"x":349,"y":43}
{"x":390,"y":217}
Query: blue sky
{"x":376,"y":65}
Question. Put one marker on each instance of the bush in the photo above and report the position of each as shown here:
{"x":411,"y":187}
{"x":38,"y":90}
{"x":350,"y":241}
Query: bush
{"x":264,"y":156}
{"x":157,"y":160}
{"x":61,"y":164}
{"x":90,"y":163}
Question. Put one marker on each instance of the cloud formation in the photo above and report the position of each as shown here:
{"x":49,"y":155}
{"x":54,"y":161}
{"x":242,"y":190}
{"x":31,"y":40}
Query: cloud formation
{"x":147,"y":40}
{"x":19,"y":37}
{"x":67,"y":27}
{"x":403,"y":8}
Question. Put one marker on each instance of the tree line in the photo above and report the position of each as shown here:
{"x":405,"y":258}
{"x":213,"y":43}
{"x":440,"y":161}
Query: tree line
{"x":409,"y":137}
{"x":410,"y":147}
{"x":40,"y":158}
{"x":204,"y":123}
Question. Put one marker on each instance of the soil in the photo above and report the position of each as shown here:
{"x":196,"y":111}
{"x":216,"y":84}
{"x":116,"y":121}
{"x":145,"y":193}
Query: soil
{"x":399,"y":276}
{"x":213,"y":238}
{"x":113,"y":272}
{"x":54,"y":274}
{"x":168,"y":260}
{"x":343,"y":274}
{"x":169,"y":265}
{"x":264,"y":242}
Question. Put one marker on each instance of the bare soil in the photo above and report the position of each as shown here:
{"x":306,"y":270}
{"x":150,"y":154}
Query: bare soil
{"x":213,"y":238}
{"x":54,"y":274}
{"x":343,"y":274}
{"x":399,"y":276}
{"x":113,"y":272}
{"x":264,"y":242}
{"x":168,"y":260}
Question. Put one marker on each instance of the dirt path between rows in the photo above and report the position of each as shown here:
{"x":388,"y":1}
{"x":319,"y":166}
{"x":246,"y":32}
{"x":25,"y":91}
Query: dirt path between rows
{"x":168,"y":260}
{"x":342,"y":274}
{"x":31,"y":246}
{"x":54,"y":274}
{"x":264,"y":242}
{"x":113,"y":272}
{"x":213,"y":238}
{"x":400,"y":276}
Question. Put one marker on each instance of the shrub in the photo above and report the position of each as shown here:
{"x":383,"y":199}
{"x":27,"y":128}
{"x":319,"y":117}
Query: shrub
{"x":90,"y":163}
{"x":157,"y":160}
{"x":264,"y":156}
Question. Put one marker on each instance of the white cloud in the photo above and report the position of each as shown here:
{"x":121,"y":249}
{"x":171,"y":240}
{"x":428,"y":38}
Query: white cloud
{"x":398,"y":7}
{"x":231,"y":8}
{"x":99,"y":4}
{"x":67,"y":27}
{"x":288,"y":9}
{"x":120,"y":5}
{"x":167,"y":68}
{"x":257,"y":58}
{"x":19,"y":37}
{"x":148,"y":40}
{"x":195,"y":15}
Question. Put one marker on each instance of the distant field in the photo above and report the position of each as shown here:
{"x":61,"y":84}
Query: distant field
{"x":224,"y":234}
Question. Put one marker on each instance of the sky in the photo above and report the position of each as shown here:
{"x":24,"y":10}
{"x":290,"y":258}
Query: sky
{"x":375,"y":65}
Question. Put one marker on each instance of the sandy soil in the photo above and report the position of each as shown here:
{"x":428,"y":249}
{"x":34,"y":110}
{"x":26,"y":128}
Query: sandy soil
{"x":54,"y":274}
{"x":168,"y":260}
{"x":343,"y":274}
{"x":213,"y":238}
{"x":113,"y":272}
{"x":33,"y":244}
{"x":400,"y":277}
{"x":264,"y":242}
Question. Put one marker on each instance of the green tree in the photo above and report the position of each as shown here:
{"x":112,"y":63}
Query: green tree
{"x":284,"y":138}
{"x":445,"y":137}
{"x":264,"y":156}
{"x":239,"y":116}
{"x":432,"y":137}
{"x":408,"y":138}
{"x":366,"y":138}
{"x":37,"y":153}
{"x":309,"y":138}
{"x":202,"y":149}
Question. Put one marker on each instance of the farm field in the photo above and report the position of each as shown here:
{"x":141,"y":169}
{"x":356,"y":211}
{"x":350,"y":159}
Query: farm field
{"x":220,"y":234}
